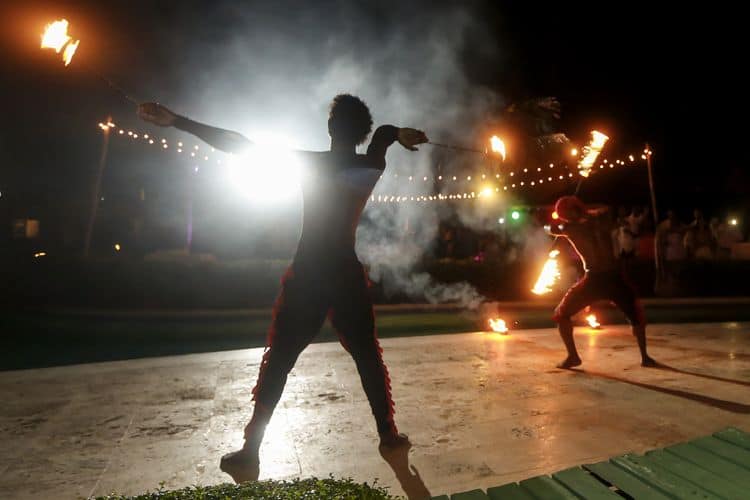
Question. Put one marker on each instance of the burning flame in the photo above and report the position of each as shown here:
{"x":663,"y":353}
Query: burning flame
{"x":498,"y":325}
{"x":70,"y":51}
{"x":498,"y":146}
{"x":598,"y":140}
{"x":549,"y":275}
{"x":56,"y":37}
{"x":592,"y":321}
{"x":591,"y":152}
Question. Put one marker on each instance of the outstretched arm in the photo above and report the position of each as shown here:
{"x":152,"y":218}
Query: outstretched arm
{"x":224,"y":140}
{"x":385,"y":135}
{"x":596,"y":210}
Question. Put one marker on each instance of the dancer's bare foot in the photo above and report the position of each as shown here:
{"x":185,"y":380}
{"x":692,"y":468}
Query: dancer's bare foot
{"x":649,"y":362}
{"x":243,"y":465}
{"x":570,"y":362}
{"x":392,"y":441}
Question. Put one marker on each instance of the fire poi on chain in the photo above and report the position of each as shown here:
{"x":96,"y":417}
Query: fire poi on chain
{"x":498,"y":325}
{"x":593,"y":322}
{"x":549,"y":275}
{"x":591,"y":152}
{"x":56,"y":37}
{"x":498,"y":146}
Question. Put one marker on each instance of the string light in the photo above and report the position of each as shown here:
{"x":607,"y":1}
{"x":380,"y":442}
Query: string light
{"x":380,"y":198}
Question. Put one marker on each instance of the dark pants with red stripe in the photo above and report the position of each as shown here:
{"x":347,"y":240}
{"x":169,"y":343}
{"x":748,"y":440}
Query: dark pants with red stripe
{"x":309,"y":293}
{"x":602,"y":285}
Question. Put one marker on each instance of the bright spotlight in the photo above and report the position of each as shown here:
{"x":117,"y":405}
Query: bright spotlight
{"x":515,"y":215}
{"x":267,"y":172}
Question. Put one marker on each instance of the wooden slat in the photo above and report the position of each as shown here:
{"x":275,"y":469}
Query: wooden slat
{"x":714,"y":463}
{"x":628,"y":483}
{"x":695,"y":474}
{"x":734,"y":436}
{"x":667,"y":482}
{"x":470,"y":495}
{"x":707,"y":468}
{"x":548,"y":489}
{"x":508,"y":492}
{"x":584,"y":484}
{"x":723,"y":449}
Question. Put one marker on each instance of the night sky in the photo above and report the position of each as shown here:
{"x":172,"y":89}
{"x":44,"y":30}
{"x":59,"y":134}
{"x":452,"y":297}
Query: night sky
{"x":670,"y":77}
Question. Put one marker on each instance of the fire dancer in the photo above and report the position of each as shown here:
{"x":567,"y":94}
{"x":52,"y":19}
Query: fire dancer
{"x":325,"y":277}
{"x":589,"y":234}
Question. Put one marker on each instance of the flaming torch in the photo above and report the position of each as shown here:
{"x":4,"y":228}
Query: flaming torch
{"x":498,"y":146}
{"x":56,"y":37}
{"x":591,"y":152}
{"x":498,"y":325}
{"x":593,"y":322}
{"x":549,"y":275}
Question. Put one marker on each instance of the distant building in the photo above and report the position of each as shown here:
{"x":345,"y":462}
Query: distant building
{"x":25,"y":229}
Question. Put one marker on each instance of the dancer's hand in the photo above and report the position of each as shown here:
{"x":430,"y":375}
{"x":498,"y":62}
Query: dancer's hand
{"x":596,"y":211}
{"x":410,"y":137}
{"x":157,"y":114}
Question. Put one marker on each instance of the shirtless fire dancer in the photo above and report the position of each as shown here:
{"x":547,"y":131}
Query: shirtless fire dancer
{"x":325,"y":277}
{"x":589,"y":234}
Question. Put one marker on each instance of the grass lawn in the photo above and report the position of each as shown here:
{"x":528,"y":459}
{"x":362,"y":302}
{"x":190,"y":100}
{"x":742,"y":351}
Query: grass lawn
{"x":34,"y":339}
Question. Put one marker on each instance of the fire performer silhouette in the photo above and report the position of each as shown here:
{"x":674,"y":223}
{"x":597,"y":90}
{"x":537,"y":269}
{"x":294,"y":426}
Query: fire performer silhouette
{"x":325,"y":277}
{"x":589,"y":234}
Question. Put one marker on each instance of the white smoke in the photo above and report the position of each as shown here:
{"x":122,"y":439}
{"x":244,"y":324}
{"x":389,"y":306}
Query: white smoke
{"x":282,"y":65}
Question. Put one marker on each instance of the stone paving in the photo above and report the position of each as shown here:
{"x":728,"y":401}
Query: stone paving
{"x":481,"y":410}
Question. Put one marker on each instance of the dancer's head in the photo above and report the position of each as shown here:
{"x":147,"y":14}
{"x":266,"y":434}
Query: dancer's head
{"x":349,"y":120}
{"x":570,"y":208}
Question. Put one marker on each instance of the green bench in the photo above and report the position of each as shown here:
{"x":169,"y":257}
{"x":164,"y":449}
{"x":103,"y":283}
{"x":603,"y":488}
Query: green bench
{"x":712,"y":467}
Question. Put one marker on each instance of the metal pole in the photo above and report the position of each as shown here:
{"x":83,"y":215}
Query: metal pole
{"x":655,"y":215}
{"x":189,"y":228}
{"x":651,"y":184}
{"x":97,"y":189}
